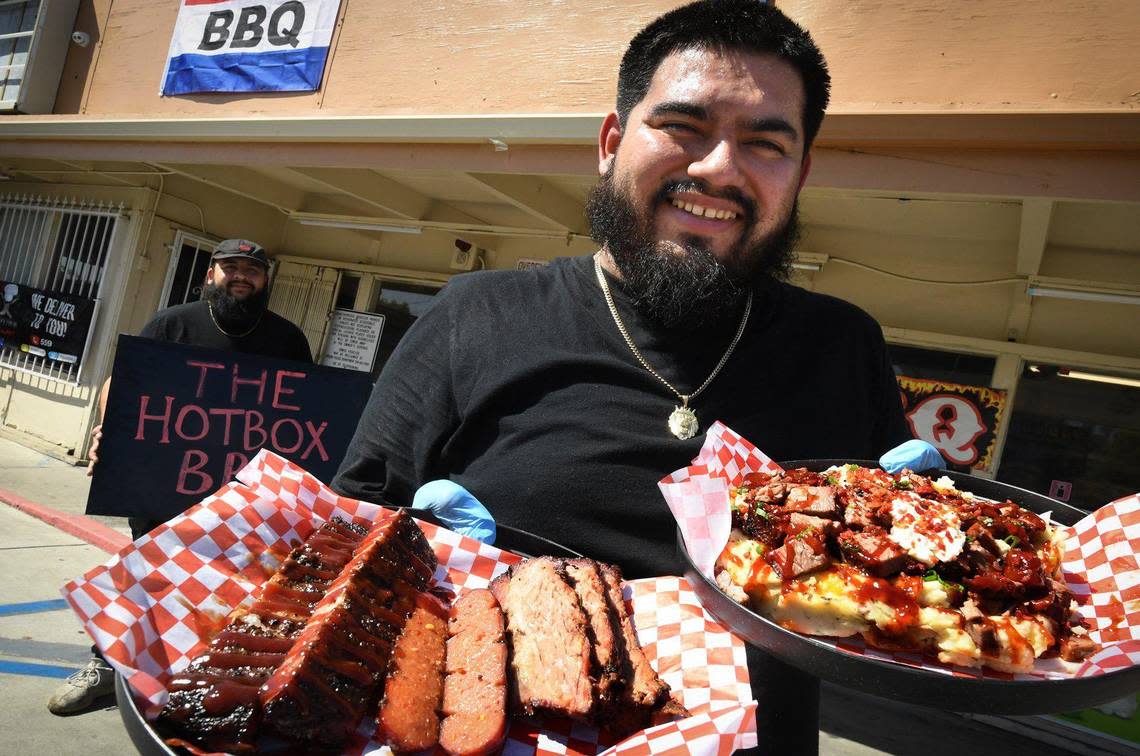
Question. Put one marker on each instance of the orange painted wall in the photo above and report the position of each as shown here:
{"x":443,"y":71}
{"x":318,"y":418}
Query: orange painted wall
{"x":504,"y":56}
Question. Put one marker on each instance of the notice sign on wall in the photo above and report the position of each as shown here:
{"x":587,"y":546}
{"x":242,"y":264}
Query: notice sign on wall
{"x":249,"y":46}
{"x":353,"y":340}
{"x":181,"y":420}
{"x":44,"y":323}
{"x":960,"y":421}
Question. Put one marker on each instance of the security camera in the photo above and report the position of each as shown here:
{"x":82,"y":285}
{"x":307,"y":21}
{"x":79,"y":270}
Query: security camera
{"x":81,"y":38}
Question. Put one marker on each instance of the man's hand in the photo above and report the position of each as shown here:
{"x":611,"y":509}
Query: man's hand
{"x":93,"y":450}
{"x":457,"y":509}
{"x":913,"y":455}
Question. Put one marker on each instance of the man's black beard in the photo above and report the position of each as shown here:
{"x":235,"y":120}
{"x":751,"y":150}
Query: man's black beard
{"x":232,"y":312}
{"x":692,"y":289}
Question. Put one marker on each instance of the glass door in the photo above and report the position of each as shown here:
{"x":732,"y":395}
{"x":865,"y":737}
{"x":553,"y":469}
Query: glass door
{"x":1074,"y":435}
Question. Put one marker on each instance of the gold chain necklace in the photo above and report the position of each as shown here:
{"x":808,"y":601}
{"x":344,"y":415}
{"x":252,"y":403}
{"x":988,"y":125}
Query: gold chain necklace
{"x":683,"y":420}
{"x":218,"y":325}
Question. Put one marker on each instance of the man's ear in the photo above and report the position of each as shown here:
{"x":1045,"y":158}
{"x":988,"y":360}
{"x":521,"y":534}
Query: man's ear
{"x":804,"y":172}
{"x":210,"y":274}
{"x":608,"y":140}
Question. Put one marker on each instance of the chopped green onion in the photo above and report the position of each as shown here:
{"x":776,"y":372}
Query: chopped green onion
{"x":932,"y":576}
{"x":852,"y":466}
{"x":763,"y":512}
{"x":832,"y":480}
{"x":903,"y":483}
{"x":1012,"y":540}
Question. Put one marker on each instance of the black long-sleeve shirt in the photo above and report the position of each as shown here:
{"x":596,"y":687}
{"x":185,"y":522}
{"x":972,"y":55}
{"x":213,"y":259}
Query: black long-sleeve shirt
{"x":518,"y":386}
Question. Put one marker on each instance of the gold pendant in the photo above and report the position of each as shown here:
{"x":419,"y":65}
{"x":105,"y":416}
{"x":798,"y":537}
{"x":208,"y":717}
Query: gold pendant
{"x":683,"y":423}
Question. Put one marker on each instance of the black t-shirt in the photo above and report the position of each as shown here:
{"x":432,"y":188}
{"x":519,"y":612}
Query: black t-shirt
{"x":518,"y":386}
{"x":191,"y":323}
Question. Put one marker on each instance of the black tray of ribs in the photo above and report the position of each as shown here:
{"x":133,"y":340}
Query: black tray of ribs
{"x":299,"y":709}
{"x":910,"y":684}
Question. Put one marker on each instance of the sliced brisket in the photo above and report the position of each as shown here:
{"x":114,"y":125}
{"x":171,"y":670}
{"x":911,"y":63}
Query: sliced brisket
{"x":872,"y":550}
{"x":604,"y":629}
{"x":818,"y":501}
{"x":645,"y":696}
{"x":550,"y":650}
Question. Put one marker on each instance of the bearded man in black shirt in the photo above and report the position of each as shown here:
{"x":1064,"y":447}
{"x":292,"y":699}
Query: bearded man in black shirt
{"x":232,"y":315}
{"x":560,"y":396}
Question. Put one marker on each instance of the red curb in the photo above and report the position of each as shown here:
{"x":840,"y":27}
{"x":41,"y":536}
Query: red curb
{"x":82,"y":527}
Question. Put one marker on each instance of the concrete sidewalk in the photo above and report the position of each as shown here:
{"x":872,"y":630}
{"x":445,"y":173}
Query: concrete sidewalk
{"x":41,"y":641}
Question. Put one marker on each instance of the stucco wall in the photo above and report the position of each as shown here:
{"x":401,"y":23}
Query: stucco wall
{"x":502,"y":56}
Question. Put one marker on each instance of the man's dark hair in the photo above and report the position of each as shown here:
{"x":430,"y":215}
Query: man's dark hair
{"x":730,"y":26}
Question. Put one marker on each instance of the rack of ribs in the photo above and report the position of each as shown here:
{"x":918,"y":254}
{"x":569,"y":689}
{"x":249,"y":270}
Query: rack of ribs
{"x":334,"y":671}
{"x":213,"y":702}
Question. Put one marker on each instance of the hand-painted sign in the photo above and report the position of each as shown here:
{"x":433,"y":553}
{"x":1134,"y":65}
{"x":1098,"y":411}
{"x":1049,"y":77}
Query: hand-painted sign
{"x":249,"y":46}
{"x":181,"y":420}
{"x":960,"y":421}
{"x":44,"y":323}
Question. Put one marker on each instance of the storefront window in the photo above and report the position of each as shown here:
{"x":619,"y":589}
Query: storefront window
{"x":934,"y":365}
{"x":1074,"y":435}
{"x":401,"y":304}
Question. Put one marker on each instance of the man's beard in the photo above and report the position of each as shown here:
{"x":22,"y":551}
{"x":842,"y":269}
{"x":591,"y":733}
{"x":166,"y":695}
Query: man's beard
{"x":231,"y":311}
{"x":693,"y":288}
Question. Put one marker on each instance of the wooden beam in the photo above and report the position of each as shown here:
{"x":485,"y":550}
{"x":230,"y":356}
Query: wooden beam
{"x":1036,"y":214}
{"x":536,"y":197}
{"x":381,"y":192}
{"x":244,"y":182}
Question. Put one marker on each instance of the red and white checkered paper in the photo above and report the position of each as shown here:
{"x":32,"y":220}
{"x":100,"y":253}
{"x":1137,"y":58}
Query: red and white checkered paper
{"x":1100,"y":565}
{"x":151,"y":608}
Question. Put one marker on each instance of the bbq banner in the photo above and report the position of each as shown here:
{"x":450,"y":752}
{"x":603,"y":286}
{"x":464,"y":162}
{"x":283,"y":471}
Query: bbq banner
{"x":44,"y":323}
{"x":961,"y":421}
{"x":249,"y":46}
{"x":181,"y":420}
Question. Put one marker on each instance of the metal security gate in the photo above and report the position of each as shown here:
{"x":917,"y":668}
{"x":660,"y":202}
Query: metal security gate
{"x":59,"y":245}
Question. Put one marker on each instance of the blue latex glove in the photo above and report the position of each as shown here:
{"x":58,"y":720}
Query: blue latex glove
{"x":914,"y":454}
{"x":457,"y":509}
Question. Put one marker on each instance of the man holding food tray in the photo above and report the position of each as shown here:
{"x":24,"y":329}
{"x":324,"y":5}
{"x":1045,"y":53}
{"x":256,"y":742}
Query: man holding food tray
{"x":559,"y":396}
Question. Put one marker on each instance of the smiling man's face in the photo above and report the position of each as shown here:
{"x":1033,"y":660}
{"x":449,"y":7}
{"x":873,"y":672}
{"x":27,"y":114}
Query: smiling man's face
{"x":708,"y":165}
{"x":238,"y":277}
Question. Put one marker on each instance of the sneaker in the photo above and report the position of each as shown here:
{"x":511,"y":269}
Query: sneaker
{"x":95,"y":680}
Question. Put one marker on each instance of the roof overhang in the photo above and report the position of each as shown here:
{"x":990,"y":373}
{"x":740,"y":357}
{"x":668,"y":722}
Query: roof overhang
{"x":1090,"y":130}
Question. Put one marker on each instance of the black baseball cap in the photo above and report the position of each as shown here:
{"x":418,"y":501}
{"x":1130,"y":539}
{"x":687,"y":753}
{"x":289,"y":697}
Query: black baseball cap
{"x":250,"y":250}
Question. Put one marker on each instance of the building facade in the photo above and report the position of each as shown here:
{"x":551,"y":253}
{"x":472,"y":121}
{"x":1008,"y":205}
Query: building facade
{"x":975,"y":187}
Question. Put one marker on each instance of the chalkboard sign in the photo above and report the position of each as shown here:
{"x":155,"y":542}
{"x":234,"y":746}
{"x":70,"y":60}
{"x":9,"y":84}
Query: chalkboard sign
{"x":44,"y":323}
{"x":353,"y":340}
{"x":181,"y":420}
